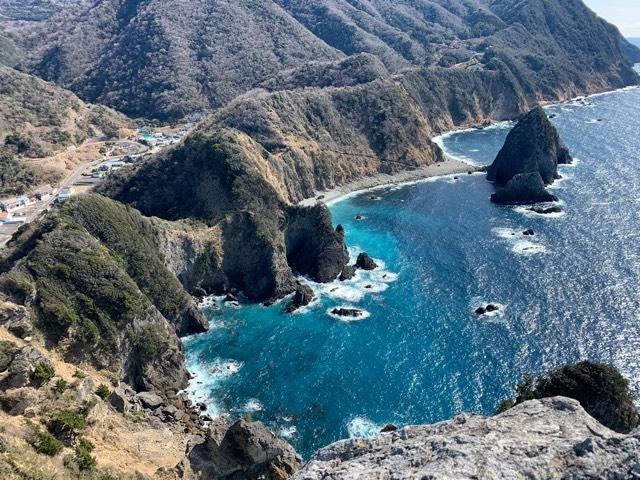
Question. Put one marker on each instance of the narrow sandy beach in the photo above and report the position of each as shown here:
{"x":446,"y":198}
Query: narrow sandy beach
{"x":449,"y":167}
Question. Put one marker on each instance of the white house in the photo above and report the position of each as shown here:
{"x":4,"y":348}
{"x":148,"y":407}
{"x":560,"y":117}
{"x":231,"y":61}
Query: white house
{"x":65,"y":194}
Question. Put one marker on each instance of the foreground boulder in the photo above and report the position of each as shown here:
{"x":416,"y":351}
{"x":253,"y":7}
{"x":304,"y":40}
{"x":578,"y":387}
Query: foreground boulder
{"x":243,"y":451}
{"x":528,"y":161}
{"x":561,"y":441}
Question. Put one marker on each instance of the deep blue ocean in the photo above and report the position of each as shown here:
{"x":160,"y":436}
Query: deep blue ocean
{"x":570,"y":292}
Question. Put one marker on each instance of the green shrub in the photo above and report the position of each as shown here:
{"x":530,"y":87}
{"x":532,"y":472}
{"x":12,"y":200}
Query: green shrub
{"x":66,"y":425}
{"x":60,"y":386}
{"x":79,"y":374}
{"x":600,"y":388}
{"x":87,"y":406}
{"x":45,"y":443}
{"x":82,"y":458}
{"x":504,"y":405}
{"x":103,"y":391}
{"x":44,"y":372}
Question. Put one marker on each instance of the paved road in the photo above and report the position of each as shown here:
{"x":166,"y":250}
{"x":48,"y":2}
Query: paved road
{"x":6,"y":231}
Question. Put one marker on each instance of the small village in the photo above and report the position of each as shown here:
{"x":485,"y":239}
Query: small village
{"x":113,"y":156}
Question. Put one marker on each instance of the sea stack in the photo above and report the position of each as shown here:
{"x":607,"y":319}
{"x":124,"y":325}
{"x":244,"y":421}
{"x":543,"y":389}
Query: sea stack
{"x":528,"y":161}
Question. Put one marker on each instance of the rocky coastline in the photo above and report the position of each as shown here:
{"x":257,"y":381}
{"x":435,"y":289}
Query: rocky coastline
{"x":96,"y":296}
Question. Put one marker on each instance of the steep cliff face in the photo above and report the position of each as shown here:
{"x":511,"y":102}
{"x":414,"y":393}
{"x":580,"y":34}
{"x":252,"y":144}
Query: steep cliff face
{"x":548,"y":438}
{"x":95,"y":285}
{"x":233,"y":184}
{"x":528,"y":161}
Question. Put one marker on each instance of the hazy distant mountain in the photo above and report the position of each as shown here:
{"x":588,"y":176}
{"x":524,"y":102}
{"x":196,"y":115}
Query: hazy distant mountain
{"x":634,"y":41}
{"x":34,"y":10}
{"x":161,"y":58}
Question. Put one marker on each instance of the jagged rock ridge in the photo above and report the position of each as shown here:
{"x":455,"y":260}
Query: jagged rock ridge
{"x":548,"y":438}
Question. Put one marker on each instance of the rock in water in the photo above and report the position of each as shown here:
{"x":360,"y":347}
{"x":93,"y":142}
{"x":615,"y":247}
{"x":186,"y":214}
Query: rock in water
{"x":348,"y":272}
{"x":365,"y":262}
{"x":528,"y":161}
{"x":561,"y":441}
{"x":303,"y":297}
{"x":347,"y":312}
{"x":523,"y":188}
{"x":313,"y":247}
{"x":545,"y":211}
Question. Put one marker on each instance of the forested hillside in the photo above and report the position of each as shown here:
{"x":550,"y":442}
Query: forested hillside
{"x":164,"y":59}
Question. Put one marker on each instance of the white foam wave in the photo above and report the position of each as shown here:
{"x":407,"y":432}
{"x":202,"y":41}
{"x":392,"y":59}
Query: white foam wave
{"x":520,"y":244}
{"x":349,"y":293}
{"x":362,"y":427}
{"x":212,"y":301}
{"x":526,"y":212}
{"x":525,"y":247}
{"x":206,"y":378}
{"x":253,"y":405}
{"x":221,"y":368}
{"x":288,"y":432}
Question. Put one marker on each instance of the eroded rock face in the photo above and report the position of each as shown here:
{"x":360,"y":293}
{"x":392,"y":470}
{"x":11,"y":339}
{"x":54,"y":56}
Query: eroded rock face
{"x":243,"y":451}
{"x":548,"y":438}
{"x":523,"y":188}
{"x":303,"y":297}
{"x":528,"y":161}
{"x":314,"y":248}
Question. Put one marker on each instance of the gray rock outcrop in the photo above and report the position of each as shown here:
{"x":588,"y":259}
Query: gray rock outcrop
{"x":528,"y":161}
{"x":243,"y":451}
{"x":548,"y":438}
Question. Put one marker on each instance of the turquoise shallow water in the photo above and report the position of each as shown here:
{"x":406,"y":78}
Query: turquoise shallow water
{"x":421,"y":356}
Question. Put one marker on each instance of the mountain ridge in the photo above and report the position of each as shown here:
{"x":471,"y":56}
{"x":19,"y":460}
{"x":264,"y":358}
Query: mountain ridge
{"x":118,"y":52}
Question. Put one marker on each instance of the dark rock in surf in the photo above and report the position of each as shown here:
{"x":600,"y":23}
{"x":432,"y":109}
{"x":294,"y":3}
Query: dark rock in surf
{"x":528,"y":232}
{"x":389,"y":427}
{"x":523,"y":188}
{"x":347,"y":312}
{"x":546,"y":210}
{"x":304,"y":296}
{"x":528,"y":161}
{"x":365,"y":262}
{"x":348,"y":272}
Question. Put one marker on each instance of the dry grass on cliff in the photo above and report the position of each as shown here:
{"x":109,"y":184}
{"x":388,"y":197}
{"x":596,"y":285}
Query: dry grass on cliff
{"x":123,"y":445}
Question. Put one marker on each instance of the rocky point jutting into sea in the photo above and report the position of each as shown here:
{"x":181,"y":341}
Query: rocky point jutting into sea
{"x":528,"y":161}
{"x":97,"y":293}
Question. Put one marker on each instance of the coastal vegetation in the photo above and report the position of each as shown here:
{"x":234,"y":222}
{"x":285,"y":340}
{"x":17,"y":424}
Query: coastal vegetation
{"x":302,"y":96}
{"x":600,"y":388}
{"x":15,"y":177}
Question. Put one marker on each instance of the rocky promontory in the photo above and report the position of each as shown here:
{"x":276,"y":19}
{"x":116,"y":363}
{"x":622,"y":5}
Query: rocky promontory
{"x":528,"y":161}
{"x":547,"y":438}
